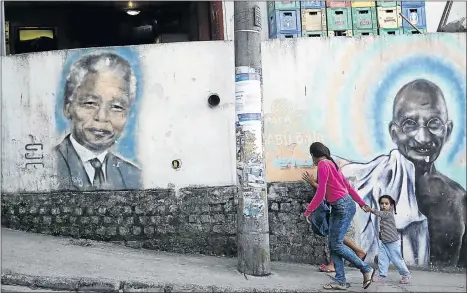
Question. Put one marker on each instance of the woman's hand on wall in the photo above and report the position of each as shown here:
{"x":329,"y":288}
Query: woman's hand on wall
{"x":310,"y":179}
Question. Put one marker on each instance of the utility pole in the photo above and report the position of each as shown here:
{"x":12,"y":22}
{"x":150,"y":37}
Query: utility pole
{"x":252,"y":214}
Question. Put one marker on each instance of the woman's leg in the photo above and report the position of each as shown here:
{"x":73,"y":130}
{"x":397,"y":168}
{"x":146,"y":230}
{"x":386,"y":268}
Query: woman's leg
{"x":341,"y":216}
{"x":329,"y":266}
{"x":352,"y":245}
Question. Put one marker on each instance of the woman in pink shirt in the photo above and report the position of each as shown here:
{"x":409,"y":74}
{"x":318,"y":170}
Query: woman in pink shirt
{"x":333,"y":186}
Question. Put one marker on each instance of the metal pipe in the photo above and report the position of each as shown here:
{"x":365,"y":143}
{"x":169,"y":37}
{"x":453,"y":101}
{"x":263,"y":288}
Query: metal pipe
{"x":2,"y":29}
{"x":406,"y":19}
{"x":445,"y":16}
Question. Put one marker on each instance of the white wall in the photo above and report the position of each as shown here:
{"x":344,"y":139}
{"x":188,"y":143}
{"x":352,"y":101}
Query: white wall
{"x":434,"y":11}
{"x":174,"y":120}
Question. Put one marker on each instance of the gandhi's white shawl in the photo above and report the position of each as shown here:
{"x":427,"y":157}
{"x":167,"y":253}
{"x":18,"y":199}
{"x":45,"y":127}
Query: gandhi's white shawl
{"x":393,"y":175}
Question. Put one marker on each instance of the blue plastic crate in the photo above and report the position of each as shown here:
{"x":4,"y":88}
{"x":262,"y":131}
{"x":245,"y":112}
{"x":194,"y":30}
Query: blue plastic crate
{"x":413,"y":3}
{"x":416,"y":15}
{"x":312,"y":4}
{"x":282,"y":5}
{"x":285,"y":21}
{"x":285,"y":36}
{"x":412,"y":31}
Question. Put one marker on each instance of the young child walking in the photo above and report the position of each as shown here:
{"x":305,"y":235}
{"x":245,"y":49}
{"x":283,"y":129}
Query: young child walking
{"x":389,"y":246}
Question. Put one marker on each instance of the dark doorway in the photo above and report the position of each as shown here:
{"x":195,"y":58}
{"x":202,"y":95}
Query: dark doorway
{"x":84,"y":24}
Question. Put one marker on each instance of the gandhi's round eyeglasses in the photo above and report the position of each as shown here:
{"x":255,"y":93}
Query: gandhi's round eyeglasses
{"x":411,"y":127}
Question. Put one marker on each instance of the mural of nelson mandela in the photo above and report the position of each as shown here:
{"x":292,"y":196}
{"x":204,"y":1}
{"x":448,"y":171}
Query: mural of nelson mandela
{"x":99,"y":92}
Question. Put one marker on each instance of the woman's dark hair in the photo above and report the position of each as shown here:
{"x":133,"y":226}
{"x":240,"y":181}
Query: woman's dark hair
{"x":319,"y":150}
{"x":391,"y":200}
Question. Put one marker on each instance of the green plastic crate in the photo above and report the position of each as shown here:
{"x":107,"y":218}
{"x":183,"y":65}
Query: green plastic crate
{"x":282,"y":5}
{"x":364,"y":18}
{"x":412,"y":31}
{"x":314,"y":34}
{"x":339,"y":19}
{"x":344,"y":33}
{"x":388,"y":3}
{"x":391,"y":31}
{"x":368,"y":32}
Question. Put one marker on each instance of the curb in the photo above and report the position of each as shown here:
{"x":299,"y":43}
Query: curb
{"x":106,"y":285}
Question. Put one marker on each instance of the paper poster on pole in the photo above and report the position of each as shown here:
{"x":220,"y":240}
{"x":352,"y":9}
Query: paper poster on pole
{"x":248,"y":98}
{"x":247,"y":94}
{"x":252,"y":155}
{"x":253,"y":203}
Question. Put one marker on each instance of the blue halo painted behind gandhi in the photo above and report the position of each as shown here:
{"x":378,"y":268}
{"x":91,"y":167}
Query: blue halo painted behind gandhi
{"x":430,"y":205}
{"x":100,"y":90}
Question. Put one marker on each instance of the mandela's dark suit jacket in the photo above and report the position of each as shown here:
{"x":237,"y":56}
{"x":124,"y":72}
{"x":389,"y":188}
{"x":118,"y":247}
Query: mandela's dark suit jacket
{"x":71,"y":174}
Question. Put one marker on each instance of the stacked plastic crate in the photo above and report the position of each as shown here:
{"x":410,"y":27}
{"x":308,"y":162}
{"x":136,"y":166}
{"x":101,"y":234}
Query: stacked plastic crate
{"x":284,"y":19}
{"x":313,"y":18}
{"x":364,"y":21}
{"x":389,"y":18}
{"x":339,"y":18}
{"x":414,"y":11}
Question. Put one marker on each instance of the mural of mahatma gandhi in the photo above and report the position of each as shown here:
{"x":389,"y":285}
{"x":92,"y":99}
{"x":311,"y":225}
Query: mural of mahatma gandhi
{"x":99,"y":91}
{"x":430,"y":206}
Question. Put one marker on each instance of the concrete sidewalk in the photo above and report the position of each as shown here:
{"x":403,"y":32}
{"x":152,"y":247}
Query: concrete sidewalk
{"x":61,"y":263}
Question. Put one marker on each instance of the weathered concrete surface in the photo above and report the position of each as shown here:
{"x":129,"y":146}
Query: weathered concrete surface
{"x":35,"y":260}
{"x":15,"y":289}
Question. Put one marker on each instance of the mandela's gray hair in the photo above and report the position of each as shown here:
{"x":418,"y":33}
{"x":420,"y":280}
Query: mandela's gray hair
{"x":95,"y":63}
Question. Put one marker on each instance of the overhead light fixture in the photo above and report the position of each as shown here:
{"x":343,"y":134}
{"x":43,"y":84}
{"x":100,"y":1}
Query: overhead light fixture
{"x":130,"y":10}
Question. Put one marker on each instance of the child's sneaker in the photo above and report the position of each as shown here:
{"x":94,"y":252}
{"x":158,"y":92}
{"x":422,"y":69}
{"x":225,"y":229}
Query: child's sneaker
{"x":404,"y":280}
{"x":379,"y":279}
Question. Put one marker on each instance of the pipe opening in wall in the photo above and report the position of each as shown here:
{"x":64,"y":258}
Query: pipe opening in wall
{"x":176,"y":164}
{"x":214,"y":100}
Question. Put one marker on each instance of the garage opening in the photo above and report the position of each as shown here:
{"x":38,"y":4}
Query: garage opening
{"x":36,"y":26}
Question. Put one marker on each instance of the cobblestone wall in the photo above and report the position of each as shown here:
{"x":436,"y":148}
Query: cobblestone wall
{"x":195,"y":220}
{"x":291,"y":238}
{"x":192,"y":220}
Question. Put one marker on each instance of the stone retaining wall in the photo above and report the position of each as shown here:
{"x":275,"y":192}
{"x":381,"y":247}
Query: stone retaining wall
{"x":191,"y":220}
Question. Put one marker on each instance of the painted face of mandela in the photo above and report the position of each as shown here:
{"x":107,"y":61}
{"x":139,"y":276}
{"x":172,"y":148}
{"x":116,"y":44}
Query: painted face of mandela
{"x":99,"y":110}
{"x":420,"y":125}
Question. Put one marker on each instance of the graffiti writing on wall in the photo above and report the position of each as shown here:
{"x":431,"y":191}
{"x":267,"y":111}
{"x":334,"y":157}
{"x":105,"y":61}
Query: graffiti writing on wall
{"x":34,"y":154}
{"x":287,"y":149}
{"x":99,"y":92}
{"x":395,"y":119}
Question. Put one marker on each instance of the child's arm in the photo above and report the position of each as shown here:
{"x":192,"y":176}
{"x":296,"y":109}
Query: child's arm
{"x":381,"y":214}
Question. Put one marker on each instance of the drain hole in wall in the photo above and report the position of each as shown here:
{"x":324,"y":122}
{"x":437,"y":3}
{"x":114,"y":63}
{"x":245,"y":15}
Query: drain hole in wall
{"x":214,"y":100}
{"x":176,"y":164}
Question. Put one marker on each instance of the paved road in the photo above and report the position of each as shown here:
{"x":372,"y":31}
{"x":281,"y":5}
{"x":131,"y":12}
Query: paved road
{"x":58,"y":262}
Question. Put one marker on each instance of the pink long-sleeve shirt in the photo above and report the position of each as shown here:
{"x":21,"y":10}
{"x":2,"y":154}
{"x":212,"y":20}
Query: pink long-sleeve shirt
{"x":333,"y":185}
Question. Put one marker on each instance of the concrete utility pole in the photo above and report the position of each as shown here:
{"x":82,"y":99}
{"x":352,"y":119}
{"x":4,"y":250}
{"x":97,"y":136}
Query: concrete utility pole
{"x":252,"y":215}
